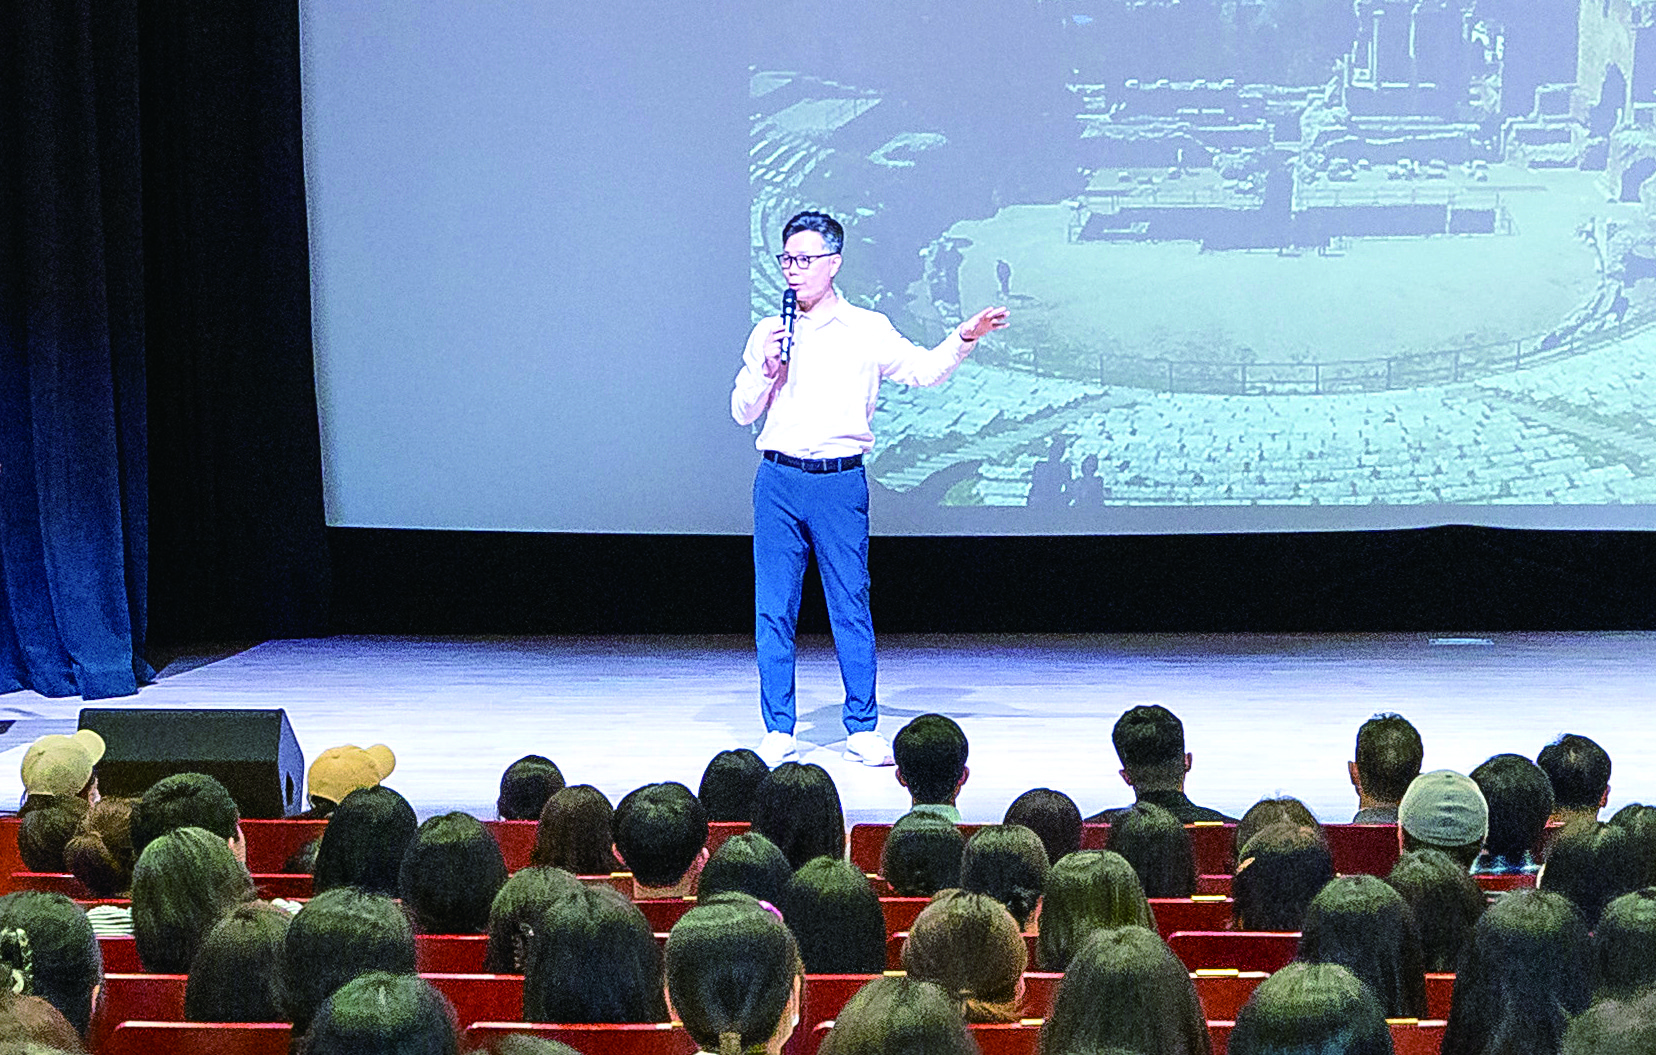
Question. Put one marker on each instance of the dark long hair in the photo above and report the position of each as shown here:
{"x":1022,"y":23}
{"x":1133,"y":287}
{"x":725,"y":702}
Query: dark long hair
{"x":922,"y":855}
{"x":1526,"y":974}
{"x":68,"y":964}
{"x":835,"y":916}
{"x":1087,"y":891}
{"x":450,"y":875}
{"x":798,"y":809}
{"x":1279,"y":871}
{"x":364,"y":842}
{"x":1159,"y":849}
{"x":1624,"y":946}
{"x":1365,"y":926}
{"x":516,"y":909}
{"x":1446,"y":903}
{"x":1592,"y":863}
{"x":386,"y":1014}
{"x":1124,"y":989}
{"x":1050,"y":814}
{"x":896,"y":1013}
{"x":969,"y":944}
{"x":237,"y":975}
{"x":338,"y":935}
{"x":1311,"y":1009}
{"x":185,"y":881}
{"x":574,"y":833}
{"x":746,"y":864}
{"x":591,"y":958}
{"x":731,"y":968}
{"x":1007,"y":862}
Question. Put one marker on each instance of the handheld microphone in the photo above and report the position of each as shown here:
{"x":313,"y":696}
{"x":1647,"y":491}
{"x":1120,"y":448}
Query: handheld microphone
{"x":790,"y":311}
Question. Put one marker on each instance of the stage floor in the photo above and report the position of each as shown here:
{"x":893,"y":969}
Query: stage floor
{"x":1263,"y":714}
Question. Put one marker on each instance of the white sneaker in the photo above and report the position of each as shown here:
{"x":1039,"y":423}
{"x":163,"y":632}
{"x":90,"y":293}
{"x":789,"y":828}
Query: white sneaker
{"x":869,"y":748}
{"x":778,"y":747}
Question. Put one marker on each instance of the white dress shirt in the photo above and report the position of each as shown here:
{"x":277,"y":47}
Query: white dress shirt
{"x":822,"y":402}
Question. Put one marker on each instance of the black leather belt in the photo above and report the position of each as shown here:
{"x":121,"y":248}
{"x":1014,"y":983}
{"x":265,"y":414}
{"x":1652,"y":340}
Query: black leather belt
{"x":815,"y":465}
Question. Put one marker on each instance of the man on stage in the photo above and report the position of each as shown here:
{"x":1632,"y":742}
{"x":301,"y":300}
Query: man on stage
{"x":818,"y":390}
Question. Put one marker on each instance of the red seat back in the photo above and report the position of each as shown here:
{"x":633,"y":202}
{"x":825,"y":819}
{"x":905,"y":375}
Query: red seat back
{"x":901,"y":912}
{"x":120,"y":955}
{"x":1040,"y":990}
{"x":825,"y":995}
{"x":621,"y":881}
{"x":1362,"y":849}
{"x":1502,"y":884}
{"x":662,"y":913}
{"x":270,"y":843}
{"x":481,"y":997}
{"x":1440,"y":995}
{"x":199,"y":1038}
{"x":137,"y":998}
{"x":1223,"y":992}
{"x":51,"y":883}
{"x":282,"y":884}
{"x":516,"y":839}
{"x":1244,"y":950}
{"x":10,"y":860}
{"x":719,"y":831}
{"x":1201,"y":913}
{"x":648,"y":1039}
{"x":1217,"y":885}
{"x":450,"y":953}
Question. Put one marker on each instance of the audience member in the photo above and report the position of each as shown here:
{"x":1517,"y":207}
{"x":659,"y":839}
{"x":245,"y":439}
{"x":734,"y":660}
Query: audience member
{"x":836,"y":918}
{"x":1445,"y":901}
{"x":184,"y":882}
{"x":735,"y":977}
{"x":522,"y":1044}
{"x":1052,"y":815}
{"x":1284,"y":809}
{"x":526,"y":896}
{"x":899,"y":1015}
{"x":931,"y":763}
{"x":1087,"y":891}
{"x":1520,"y":799}
{"x":1282,"y":869}
{"x":1527,"y":973}
{"x":969,"y":944}
{"x":525,"y":786}
{"x":1007,"y":862}
{"x":100,"y":856}
{"x":1639,"y":822}
{"x":729,"y":784}
{"x":922,"y":855}
{"x":338,"y":771}
{"x":1443,"y":810}
{"x":576,"y":833}
{"x":364,"y":842}
{"x":1311,"y":1009}
{"x":591,"y":958}
{"x":237,"y":974}
{"x":1579,"y":771}
{"x":798,"y":809}
{"x":187,"y":800}
{"x":1614,"y":1027}
{"x":1159,"y":849}
{"x":57,"y":767}
{"x":1125,"y":990}
{"x":660,"y":831}
{"x":1150,"y":743}
{"x":450,"y":875}
{"x":1365,"y":926}
{"x":67,"y":964}
{"x":338,"y":935}
{"x":1624,"y":946}
{"x":30,"y":1025}
{"x":1591,"y":863}
{"x":1388,"y":759}
{"x":44,"y":832}
{"x":746,"y":864}
{"x":384,"y":1014}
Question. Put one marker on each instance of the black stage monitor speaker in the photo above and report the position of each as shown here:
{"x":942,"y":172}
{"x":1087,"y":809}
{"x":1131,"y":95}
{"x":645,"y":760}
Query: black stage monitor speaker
{"x":253,"y":753}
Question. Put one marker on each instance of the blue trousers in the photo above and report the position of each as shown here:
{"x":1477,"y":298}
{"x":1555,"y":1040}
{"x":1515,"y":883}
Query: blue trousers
{"x":795,"y":513}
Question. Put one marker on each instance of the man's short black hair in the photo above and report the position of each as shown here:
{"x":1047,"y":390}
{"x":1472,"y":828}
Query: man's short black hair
{"x":1520,"y":800}
{"x":1579,"y":770}
{"x":659,"y":829}
{"x":183,"y":800}
{"x":833,"y":235}
{"x":1388,"y":756}
{"x":931,"y":757}
{"x":525,"y":787}
{"x":1150,"y":742}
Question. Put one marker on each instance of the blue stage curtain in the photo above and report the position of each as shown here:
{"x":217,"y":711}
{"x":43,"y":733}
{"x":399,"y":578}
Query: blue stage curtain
{"x":73,"y":472}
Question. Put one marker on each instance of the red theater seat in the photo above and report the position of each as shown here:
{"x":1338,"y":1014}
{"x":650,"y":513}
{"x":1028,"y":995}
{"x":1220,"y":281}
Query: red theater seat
{"x":291,"y":885}
{"x":650,"y":1039}
{"x":199,"y":1038}
{"x":137,"y":998}
{"x":1240,"y":949}
{"x":825,"y":994}
{"x":120,"y":955}
{"x":1199,"y":913}
{"x":1440,"y":995}
{"x":901,"y":912}
{"x":868,"y":840}
{"x":516,"y":839}
{"x":1223,"y":992}
{"x":719,"y":831}
{"x":1502,"y":884}
{"x":621,"y":881}
{"x":450,"y":953}
{"x":481,"y":997}
{"x":271,"y":843}
{"x":662,"y":913}
{"x":1362,"y":849}
{"x":51,"y":883}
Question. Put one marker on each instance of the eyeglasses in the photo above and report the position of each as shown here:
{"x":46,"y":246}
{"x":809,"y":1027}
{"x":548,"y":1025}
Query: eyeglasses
{"x":802,"y":262}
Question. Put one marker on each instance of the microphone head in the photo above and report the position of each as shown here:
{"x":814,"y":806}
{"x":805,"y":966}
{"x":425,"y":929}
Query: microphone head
{"x":790,"y":302}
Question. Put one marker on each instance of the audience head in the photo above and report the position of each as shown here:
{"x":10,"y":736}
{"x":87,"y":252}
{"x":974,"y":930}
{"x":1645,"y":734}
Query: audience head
{"x":1520,"y":799}
{"x":591,"y":958}
{"x":1311,"y":1009}
{"x":576,"y":833}
{"x":339,"y":934}
{"x":43,"y":833}
{"x":1445,"y":901}
{"x":1443,"y":810}
{"x":1526,"y":974}
{"x":899,"y":1015}
{"x":28,"y":1024}
{"x":1150,"y":743}
{"x":187,"y":800}
{"x":338,"y":771}
{"x":1591,"y":863}
{"x":1159,"y":849}
{"x":1579,"y":771}
{"x":1624,"y":946}
{"x":1388,"y":758}
{"x":1614,"y":1027}
{"x":931,"y":759}
{"x":922,"y":855}
{"x":1365,"y":926}
{"x":184,"y":882}
{"x":1639,"y":822}
{"x":1052,"y":815}
{"x":798,"y":809}
{"x":969,"y":944}
{"x":734,"y":976}
{"x":517,"y":909}
{"x":61,"y":766}
{"x":660,"y":831}
{"x":729,"y":784}
{"x":836,"y":918}
{"x":525,"y":787}
{"x":237,"y":974}
{"x":1266,"y":812}
{"x":365,"y":840}
{"x":1007,"y":862}
{"x":1281,"y":870}
{"x":450,"y":875}
{"x":1087,"y":891}
{"x":68,"y":965}
{"x":101,"y":854}
{"x":746,"y":864}
{"x":1125,"y":990}
{"x":384,"y":1014}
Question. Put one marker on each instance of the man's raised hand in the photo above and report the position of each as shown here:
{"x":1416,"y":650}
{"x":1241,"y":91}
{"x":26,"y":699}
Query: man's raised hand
{"x":986,"y":321}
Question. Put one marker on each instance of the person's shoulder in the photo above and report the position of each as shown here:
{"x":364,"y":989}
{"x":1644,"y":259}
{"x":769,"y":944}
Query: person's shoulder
{"x":1106,"y":816}
{"x":1195,"y":814}
{"x":853,"y":315}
